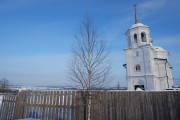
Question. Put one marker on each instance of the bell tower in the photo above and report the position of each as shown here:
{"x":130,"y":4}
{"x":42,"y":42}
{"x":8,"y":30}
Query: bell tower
{"x":147,"y":66}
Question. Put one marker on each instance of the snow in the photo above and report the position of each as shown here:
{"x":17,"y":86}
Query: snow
{"x":157,"y":48}
{"x":139,"y":89}
{"x":41,"y":88}
{"x":138,"y":25}
{"x":28,"y":119}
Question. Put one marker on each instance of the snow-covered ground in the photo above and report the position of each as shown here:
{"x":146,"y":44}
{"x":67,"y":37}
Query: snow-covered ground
{"x":29,"y":119}
{"x":20,"y":88}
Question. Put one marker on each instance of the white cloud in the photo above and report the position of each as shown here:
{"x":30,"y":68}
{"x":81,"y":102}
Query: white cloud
{"x":149,"y":6}
{"x":152,"y":4}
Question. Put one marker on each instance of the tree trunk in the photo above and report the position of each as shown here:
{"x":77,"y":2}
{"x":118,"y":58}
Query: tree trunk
{"x":89,"y":106}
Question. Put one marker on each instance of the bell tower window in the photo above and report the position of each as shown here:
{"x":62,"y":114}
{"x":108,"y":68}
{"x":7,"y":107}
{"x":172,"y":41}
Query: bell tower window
{"x":135,"y":38}
{"x":138,"y":67}
{"x":143,"y":37}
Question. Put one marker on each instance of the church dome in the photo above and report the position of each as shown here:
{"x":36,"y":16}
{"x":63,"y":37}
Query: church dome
{"x":157,"y":48}
{"x":138,"y":25}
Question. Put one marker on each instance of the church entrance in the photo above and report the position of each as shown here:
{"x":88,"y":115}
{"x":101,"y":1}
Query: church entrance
{"x":139,"y":86}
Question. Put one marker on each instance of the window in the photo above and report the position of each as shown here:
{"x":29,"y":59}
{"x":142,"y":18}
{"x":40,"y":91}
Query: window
{"x":137,"y":53}
{"x":135,"y":38}
{"x":143,"y":37}
{"x":139,"y":86}
{"x":138,"y":68}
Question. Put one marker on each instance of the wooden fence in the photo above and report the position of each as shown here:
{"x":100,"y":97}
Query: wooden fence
{"x":133,"y":105}
{"x":7,"y":107}
{"x":45,"y":105}
{"x":106,"y":105}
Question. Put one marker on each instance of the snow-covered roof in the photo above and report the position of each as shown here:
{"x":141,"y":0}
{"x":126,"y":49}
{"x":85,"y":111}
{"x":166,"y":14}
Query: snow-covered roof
{"x":157,"y":48}
{"x":138,"y":25}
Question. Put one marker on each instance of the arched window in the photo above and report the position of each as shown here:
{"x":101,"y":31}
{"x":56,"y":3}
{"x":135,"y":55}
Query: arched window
{"x":143,"y":37}
{"x":135,"y":38}
{"x":138,"y":67}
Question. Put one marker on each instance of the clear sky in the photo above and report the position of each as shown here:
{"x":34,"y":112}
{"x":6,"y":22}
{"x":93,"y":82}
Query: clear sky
{"x":36,"y":35}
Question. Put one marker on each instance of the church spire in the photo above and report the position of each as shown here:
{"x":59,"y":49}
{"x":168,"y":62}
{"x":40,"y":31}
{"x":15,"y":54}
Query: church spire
{"x":136,"y":19}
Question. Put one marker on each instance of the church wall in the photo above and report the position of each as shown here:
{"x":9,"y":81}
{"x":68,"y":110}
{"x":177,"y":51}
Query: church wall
{"x":132,"y":61}
{"x":161,"y":55}
{"x":136,"y":81}
{"x":150,"y":82}
{"x":169,"y":70}
{"x":160,"y":66}
{"x":164,"y":72}
{"x":158,"y":84}
{"x":147,"y":56}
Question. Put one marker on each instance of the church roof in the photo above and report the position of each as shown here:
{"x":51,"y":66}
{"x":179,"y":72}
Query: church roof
{"x":138,"y":25}
{"x":157,"y":48}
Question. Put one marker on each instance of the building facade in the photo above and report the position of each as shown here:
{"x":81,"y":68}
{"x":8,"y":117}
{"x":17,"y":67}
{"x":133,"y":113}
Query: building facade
{"x":146,"y":65}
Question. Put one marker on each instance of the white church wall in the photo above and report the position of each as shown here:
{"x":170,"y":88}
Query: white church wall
{"x":157,"y":83}
{"x":161,"y":54}
{"x":169,"y":70}
{"x":135,"y":81}
{"x":147,"y":57}
{"x":160,"y":65}
{"x":132,"y":61}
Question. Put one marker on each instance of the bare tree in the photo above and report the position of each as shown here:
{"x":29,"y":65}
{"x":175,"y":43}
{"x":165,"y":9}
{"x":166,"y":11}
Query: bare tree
{"x":90,"y":65}
{"x":4,"y":84}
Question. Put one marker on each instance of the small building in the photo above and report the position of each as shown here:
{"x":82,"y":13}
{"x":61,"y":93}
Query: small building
{"x":147,"y":66}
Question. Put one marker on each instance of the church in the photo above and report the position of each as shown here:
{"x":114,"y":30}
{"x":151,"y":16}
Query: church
{"x":147,"y":66}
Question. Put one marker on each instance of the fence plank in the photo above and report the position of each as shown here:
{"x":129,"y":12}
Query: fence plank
{"x":73,"y":106}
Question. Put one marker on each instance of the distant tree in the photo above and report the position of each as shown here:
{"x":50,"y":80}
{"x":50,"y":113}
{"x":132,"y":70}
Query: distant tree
{"x":4,"y":84}
{"x":90,"y":66}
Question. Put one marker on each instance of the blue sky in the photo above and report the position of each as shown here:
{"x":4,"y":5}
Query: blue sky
{"x":36,"y":35}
